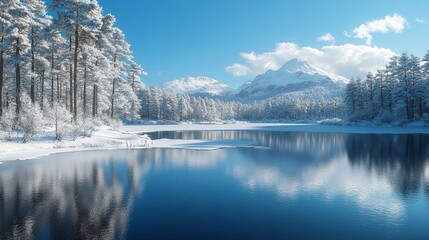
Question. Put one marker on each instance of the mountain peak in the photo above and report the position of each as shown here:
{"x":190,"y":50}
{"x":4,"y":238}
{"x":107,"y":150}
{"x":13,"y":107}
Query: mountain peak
{"x":299,"y":65}
{"x":296,"y":75}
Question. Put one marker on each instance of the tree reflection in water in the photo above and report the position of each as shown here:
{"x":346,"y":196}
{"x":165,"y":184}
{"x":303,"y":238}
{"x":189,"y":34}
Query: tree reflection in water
{"x":83,"y":195}
{"x":400,"y":158}
{"x":88,"y":198}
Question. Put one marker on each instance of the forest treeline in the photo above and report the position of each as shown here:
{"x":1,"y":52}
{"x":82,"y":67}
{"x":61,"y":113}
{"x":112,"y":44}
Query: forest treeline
{"x":399,"y":92}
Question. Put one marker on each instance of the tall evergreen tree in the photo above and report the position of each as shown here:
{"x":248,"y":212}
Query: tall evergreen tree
{"x":76,"y":18}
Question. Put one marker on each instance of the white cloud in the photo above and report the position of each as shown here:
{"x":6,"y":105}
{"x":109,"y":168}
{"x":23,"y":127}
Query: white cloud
{"x":347,"y":60}
{"x":326,"y":38}
{"x":395,"y":23}
{"x":238,"y":70}
{"x":418,"y":20}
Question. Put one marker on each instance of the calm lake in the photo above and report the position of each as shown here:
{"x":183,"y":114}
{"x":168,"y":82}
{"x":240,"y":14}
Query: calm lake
{"x":291,"y":185}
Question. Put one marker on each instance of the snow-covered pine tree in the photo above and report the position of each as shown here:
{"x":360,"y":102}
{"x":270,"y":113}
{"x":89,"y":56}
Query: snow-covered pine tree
{"x":5,"y":27}
{"x":120,"y":55}
{"x":402,"y":91}
{"x":18,"y":42}
{"x":415,"y":86}
{"x":391,"y":74}
{"x":77,"y":18}
{"x":37,"y":35}
{"x":351,"y":97}
{"x":137,"y":86}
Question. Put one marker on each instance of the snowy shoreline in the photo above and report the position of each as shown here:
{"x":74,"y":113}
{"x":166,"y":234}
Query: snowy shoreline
{"x":129,"y":137}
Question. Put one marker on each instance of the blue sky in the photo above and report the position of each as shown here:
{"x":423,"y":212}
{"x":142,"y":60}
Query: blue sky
{"x":173,"y":39}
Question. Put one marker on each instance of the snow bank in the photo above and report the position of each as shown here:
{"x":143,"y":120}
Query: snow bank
{"x":103,"y":138}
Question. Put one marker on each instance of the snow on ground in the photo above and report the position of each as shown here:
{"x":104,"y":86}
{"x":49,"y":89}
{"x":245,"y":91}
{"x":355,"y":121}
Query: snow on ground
{"x":103,"y":138}
{"x":129,"y":137}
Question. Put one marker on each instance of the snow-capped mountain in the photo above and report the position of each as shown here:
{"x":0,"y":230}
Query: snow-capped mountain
{"x":293,"y":77}
{"x":198,"y":86}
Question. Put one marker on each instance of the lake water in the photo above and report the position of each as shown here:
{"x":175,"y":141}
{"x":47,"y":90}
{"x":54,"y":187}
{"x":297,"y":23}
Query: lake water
{"x":292,"y":185}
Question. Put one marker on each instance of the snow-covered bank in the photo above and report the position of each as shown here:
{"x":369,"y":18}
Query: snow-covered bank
{"x":283,"y":127}
{"x":103,"y":138}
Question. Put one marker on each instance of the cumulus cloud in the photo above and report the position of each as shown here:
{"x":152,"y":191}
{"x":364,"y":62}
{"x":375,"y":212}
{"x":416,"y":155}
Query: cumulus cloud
{"x":326,"y":38}
{"x":395,"y":23}
{"x":348,"y":60}
{"x":418,"y":20}
{"x":238,"y":70}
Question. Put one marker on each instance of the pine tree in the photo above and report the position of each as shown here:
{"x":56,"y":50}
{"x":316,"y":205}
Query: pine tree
{"x":77,"y":18}
{"x":5,"y":27}
{"x":18,"y":41}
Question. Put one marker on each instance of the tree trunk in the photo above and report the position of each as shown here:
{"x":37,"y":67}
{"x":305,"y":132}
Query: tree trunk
{"x":43,"y":89}
{"x":58,"y":84}
{"x":84,"y":92}
{"x":76,"y":45}
{"x":94,"y":101}
{"x":113,"y":87}
{"x":32,"y":90}
{"x":1,"y":75}
{"x":71,"y":88}
{"x":52,"y":75}
{"x":132,"y":87}
{"x":52,"y":90}
{"x":67,"y":100}
{"x":18,"y":78}
{"x":71,"y":77}
{"x":113,"y":98}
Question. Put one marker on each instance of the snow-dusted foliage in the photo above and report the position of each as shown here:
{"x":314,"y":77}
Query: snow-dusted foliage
{"x":62,"y":119}
{"x":8,"y":121}
{"x":30,"y":118}
{"x":397,"y":93}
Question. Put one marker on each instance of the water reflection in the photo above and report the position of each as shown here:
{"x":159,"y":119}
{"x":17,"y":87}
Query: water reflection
{"x":295,"y":145}
{"x":83,"y":195}
{"x":93,"y":194}
{"x":399,"y":158}
{"x":190,"y":159}
{"x":77,"y":198}
{"x":375,"y":171}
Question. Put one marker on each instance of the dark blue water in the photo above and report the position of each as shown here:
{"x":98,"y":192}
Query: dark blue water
{"x":297,"y":185}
